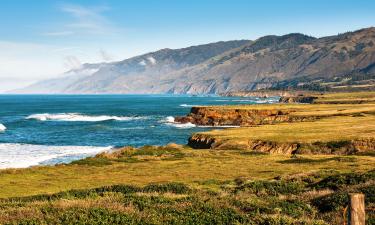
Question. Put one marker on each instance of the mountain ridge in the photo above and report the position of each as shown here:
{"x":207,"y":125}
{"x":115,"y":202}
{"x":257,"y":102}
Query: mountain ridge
{"x":295,"y":61}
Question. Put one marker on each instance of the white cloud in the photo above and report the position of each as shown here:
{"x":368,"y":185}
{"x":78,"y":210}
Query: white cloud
{"x":106,"y":57}
{"x":152,"y":60}
{"x":142,"y":63}
{"x":59,"y":33}
{"x":24,"y":63}
{"x":84,"y":20}
{"x":72,"y":62}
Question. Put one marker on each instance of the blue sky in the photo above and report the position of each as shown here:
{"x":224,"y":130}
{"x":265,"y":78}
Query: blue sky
{"x":43,"y":38}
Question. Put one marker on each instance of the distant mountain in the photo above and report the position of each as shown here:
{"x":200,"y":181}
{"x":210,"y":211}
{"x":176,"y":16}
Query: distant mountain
{"x":293,"y":61}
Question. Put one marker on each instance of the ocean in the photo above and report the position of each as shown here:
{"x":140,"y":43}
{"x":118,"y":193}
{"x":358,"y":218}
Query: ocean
{"x":52,"y":129}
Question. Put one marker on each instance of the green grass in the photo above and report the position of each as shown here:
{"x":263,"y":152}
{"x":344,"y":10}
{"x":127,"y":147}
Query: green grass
{"x":196,"y":166}
{"x":290,"y":200}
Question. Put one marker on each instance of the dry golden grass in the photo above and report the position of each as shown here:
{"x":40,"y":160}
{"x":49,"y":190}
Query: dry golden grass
{"x":324,"y":130}
{"x":195,"y":167}
{"x":346,"y":97}
{"x":306,"y":109}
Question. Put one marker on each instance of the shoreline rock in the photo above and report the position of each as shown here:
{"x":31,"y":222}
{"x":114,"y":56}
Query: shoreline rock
{"x":298,"y":99}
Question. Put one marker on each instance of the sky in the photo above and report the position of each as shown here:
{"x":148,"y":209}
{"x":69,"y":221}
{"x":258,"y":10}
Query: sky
{"x":44,"y":38}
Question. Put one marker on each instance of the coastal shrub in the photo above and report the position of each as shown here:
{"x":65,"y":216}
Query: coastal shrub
{"x":285,"y":220}
{"x":252,"y":207}
{"x":145,"y":202}
{"x":93,"y":161}
{"x":205,"y":213}
{"x":71,"y":194}
{"x":273,"y":188}
{"x":156,"y":151}
{"x":86,"y":216}
{"x":332,"y":202}
{"x":294,"y":208}
{"x":128,"y":160}
{"x":335,"y":182}
{"x":338,"y":144}
{"x":234,"y":202}
{"x":291,"y":207}
{"x":133,"y":155}
{"x":124,"y":189}
{"x":176,"y":188}
{"x":369,"y":192}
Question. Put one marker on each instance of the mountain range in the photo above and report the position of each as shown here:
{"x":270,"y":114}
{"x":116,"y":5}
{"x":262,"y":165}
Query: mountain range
{"x":293,"y":61}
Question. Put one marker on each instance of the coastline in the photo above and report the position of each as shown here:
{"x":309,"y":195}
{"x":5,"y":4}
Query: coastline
{"x":178,"y":183}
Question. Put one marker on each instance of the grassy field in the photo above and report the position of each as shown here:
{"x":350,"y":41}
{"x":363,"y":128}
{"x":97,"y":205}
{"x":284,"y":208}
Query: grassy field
{"x":338,"y":128}
{"x":212,"y":187}
{"x":305,"y":109}
{"x":189,"y":166}
{"x":304,"y":128}
{"x":346,"y":97}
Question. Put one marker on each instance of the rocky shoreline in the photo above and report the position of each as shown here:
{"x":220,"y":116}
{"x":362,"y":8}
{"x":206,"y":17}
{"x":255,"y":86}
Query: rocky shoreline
{"x":251,"y":116}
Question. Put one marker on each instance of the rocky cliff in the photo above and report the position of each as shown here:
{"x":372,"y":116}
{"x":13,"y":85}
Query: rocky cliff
{"x":344,"y":147}
{"x":221,"y":116}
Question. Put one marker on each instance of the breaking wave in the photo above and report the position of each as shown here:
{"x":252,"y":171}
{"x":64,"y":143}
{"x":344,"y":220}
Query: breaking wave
{"x":254,"y":101}
{"x":182,"y":125}
{"x":74,"y":117}
{"x":170,"y":121}
{"x":13,"y":155}
{"x":187,"y":105}
{"x":2,"y":127}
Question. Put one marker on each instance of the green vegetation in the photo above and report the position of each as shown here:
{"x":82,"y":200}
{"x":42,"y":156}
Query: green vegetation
{"x":195,"y":166}
{"x":298,"y":199}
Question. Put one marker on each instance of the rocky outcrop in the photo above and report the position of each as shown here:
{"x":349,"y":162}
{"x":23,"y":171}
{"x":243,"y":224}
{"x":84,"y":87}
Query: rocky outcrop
{"x":345,"y":147}
{"x":227,"y":116}
{"x":298,"y":99}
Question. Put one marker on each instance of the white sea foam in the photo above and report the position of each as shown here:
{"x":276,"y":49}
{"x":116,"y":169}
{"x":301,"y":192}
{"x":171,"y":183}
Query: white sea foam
{"x":186,"y":105}
{"x":182,"y":125}
{"x":257,"y":100}
{"x":13,"y":155}
{"x":221,"y":126}
{"x":170,"y":121}
{"x":74,"y":117}
{"x":2,"y":127}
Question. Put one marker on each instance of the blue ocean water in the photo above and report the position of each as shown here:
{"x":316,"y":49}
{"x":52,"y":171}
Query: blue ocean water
{"x":48,"y":129}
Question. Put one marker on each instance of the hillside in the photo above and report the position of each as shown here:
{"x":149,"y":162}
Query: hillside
{"x":342,"y":62}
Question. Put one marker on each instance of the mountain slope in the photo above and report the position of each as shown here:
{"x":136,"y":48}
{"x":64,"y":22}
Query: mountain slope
{"x":130,"y":75}
{"x":290,"y":61}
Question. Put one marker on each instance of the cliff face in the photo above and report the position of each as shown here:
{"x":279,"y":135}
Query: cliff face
{"x":221,"y":116}
{"x":289,"y":61}
{"x":345,"y":147}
